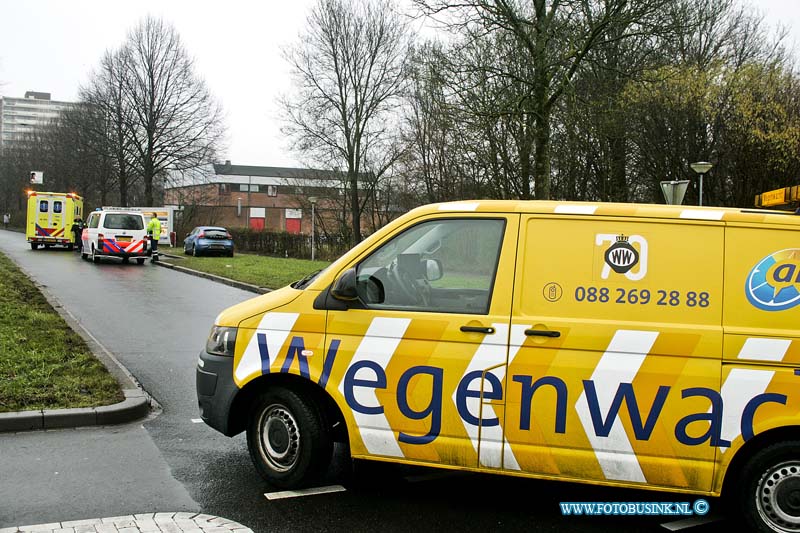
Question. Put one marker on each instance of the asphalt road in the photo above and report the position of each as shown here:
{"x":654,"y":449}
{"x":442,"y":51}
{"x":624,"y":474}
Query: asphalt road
{"x":155,"y":321}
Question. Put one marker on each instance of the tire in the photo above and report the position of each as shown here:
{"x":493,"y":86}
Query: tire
{"x":769,"y":496}
{"x":84,"y":255}
{"x":194,"y":251}
{"x":288,"y":440}
{"x":70,"y":247}
{"x":140,"y":260}
{"x":126,"y":260}
{"x":34,"y":245}
{"x":230,"y":254}
{"x":95,"y":257}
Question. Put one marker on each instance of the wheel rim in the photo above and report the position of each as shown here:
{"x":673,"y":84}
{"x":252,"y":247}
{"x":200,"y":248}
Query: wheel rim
{"x":279,"y":438}
{"x":778,"y":497}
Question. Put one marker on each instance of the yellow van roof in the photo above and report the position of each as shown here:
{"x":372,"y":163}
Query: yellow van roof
{"x":683,"y":212}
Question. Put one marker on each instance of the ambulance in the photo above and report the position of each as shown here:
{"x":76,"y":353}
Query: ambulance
{"x":641,"y":346}
{"x":50,"y":218}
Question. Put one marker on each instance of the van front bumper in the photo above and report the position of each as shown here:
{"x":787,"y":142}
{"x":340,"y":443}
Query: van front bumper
{"x":216,"y":390}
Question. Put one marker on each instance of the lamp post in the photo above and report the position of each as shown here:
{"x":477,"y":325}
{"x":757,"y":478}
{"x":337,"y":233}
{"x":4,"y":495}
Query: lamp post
{"x":313,"y":200}
{"x":701,"y":167}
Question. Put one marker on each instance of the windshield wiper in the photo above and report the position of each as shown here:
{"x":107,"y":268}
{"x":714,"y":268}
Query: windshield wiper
{"x":301,"y":284}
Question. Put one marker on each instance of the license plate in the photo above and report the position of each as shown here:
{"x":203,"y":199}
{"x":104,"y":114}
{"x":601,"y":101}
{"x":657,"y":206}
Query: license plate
{"x":123,"y":239}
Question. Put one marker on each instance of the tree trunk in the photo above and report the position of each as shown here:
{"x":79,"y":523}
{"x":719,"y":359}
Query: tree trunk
{"x":541,"y":168}
{"x":354,"y":208}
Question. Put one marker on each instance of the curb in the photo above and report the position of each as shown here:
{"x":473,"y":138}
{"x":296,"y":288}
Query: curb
{"x":213,"y":277}
{"x":150,"y":522}
{"x":135,"y":406}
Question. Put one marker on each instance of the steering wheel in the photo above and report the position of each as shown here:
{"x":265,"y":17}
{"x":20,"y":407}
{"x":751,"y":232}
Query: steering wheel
{"x":406,"y":286}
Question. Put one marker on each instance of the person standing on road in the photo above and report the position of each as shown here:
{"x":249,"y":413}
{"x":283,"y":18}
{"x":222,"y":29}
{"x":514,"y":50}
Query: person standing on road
{"x":6,"y":220}
{"x":77,"y":233}
{"x":154,"y":232}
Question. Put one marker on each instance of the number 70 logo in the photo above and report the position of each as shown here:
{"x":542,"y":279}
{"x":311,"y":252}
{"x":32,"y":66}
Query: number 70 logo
{"x":624,"y":254}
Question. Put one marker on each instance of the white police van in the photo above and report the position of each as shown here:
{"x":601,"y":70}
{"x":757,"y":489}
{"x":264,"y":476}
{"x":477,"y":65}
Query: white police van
{"x":115,"y":233}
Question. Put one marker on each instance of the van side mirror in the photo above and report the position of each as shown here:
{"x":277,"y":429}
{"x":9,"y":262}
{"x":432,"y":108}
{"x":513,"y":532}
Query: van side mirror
{"x":433,"y":269}
{"x":344,"y":288}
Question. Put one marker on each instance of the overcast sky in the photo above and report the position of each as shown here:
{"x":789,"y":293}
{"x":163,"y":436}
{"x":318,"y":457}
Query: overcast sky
{"x":52,"y":45}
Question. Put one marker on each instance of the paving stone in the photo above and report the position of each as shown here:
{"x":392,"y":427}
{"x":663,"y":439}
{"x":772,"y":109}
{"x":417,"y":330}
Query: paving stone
{"x":185,"y":524}
{"x":204,"y":517}
{"x":143,"y":516}
{"x":164,"y":515}
{"x":170,"y":527}
{"x":76,"y":523}
{"x":85,"y":528}
{"x":121,"y":524}
{"x":129,"y":530}
{"x":40,"y":527}
{"x":184,"y":516}
{"x":117,"y":519}
{"x":65,"y":530}
{"x":9,"y":530}
{"x":105,"y":528}
{"x":148,"y":525}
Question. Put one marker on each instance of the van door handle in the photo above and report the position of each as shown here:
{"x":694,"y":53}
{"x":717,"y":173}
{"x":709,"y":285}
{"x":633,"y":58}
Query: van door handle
{"x":542,"y":333}
{"x":477,"y":329}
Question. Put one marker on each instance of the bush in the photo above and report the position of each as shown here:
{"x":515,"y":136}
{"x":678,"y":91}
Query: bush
{"x":282,"y":244}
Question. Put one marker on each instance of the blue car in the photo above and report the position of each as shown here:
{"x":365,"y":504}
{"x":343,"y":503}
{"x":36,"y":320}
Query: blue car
{"x":206,"y":240}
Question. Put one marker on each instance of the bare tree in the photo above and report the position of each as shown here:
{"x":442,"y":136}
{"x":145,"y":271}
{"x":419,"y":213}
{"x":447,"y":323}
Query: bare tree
{"x":556,"y":37}
{"x":172,"y":120}
{"x":348,"y":71}
{"x":111,"y":115}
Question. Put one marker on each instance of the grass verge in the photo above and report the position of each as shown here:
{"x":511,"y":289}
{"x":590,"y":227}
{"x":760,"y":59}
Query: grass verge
{"x":260,"y":270}
{"x":43,"y":363}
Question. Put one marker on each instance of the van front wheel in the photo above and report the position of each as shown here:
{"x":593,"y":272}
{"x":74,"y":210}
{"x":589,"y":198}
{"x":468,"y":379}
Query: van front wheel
{"x":770,"y":489}
{"x":287,"y":438}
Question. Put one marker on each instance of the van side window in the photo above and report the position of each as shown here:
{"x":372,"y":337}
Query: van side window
{"x":43,"y":206}
{"x":444,"y":265}
{"x":94,"y":221}
{"x":56,"y":207}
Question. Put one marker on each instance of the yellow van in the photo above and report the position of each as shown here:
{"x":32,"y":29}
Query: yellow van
{"x":627,"y":345}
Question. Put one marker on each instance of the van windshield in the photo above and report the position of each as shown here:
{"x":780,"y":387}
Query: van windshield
{"x":123,"y":221}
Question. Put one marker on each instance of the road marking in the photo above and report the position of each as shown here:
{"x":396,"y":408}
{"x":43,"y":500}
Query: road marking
{"x":303,"y":492}
{"x":197,"y":420}
{"x":690,"y":522}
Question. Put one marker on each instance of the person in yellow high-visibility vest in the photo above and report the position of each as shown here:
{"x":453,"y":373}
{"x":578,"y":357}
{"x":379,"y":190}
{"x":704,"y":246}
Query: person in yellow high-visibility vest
{"x":154,"y":232}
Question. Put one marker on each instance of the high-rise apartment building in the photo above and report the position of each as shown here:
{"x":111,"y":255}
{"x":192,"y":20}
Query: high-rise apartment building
{"x":19,"y":117}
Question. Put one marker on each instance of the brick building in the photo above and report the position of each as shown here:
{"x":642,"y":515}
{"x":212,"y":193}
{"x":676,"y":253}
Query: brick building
{"x":272,"y":198}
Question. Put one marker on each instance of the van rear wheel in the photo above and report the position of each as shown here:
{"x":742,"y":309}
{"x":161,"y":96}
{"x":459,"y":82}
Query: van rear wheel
{"x":288,"y":440}
{"x":770,"y":489}
{"x":95,"y":257}
{"x":34,"y":245}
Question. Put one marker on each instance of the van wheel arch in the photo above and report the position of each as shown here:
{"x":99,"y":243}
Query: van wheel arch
{"x":244,"y":400}
{"x":740,"y":468}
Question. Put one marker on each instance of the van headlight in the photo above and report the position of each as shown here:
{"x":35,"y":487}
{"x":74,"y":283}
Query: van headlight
{"x":221,"y":341}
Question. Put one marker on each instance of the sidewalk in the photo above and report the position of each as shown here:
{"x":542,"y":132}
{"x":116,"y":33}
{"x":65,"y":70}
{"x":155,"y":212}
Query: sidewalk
{"x":139,"y":523}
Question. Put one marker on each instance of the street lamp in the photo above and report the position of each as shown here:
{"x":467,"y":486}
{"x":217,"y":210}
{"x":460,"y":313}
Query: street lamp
{"x":701,"y":167}
{"x":313,"y":200}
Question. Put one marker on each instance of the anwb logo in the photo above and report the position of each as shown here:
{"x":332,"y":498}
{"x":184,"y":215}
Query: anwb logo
{"x":774,"y":283}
